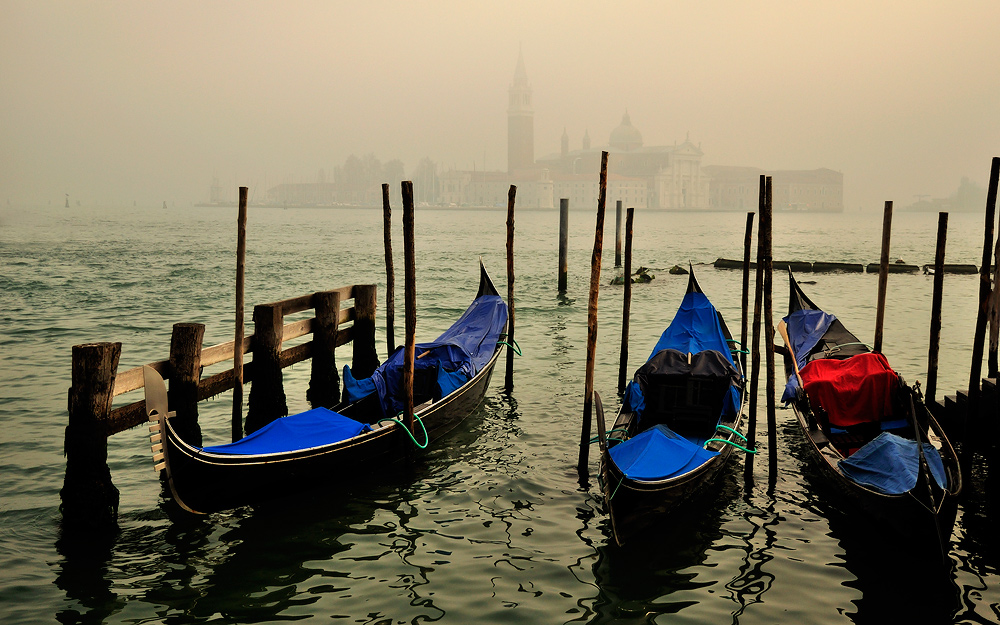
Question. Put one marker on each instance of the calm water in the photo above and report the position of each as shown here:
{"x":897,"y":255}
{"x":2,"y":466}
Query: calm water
{"x":493,"y":525}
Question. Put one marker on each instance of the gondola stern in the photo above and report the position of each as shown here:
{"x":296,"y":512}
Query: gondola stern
{"x":486,"y":286}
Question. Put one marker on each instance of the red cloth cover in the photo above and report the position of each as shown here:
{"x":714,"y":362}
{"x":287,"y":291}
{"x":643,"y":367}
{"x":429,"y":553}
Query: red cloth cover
{"x":852,"y":391}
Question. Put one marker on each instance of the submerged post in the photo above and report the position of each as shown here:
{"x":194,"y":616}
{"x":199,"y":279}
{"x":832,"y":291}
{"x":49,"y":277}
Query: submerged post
{"x":185,"y":373}
{"x":410,"y":303}
{"x":390,"y":274}
{"x":241,"y":256}
{"x":935,"y":339}
{"x":89,"y":498}
{"x":563,"y":242}
{"x":618,"y":234}
{"x":267,"y":393}
{"x":595,"y":285}
{"x":627,"y":302}
{"x":883,"y":275}
{"x":758,"y":300}
{"x":766,"y":267}
{"x":324,"y":379}
{"x":747,"y":239}
{"x":980,"y":337}
{"x":509,"y":380}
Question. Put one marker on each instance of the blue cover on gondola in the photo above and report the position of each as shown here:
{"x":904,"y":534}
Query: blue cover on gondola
{"x":805,"y":328}
{"x":313,"y":428}
{"x":658,"y":453}
{"x":456,"y":356}
{"x":890,"y":464}
{"x":695,"y":328}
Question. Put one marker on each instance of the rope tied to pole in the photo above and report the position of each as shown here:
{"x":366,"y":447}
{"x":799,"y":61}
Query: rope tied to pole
{"x":427,"y":439}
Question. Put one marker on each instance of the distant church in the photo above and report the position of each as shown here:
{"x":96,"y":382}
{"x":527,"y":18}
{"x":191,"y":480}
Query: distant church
{"x":661,"y":177}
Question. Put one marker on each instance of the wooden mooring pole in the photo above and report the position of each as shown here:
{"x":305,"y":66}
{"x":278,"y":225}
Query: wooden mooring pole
{"x":410,"y":303}
{"x":936,"y":299}
{"x":324,"y":379}
{"x":626,"y":302}
{"x":766,"y":267}
{"x":390,"y":274}
{"x":747,"y":240}
{"x":185,"y":374}
{"x":968,"y":428}
{"x":89,"y":498}
{"x":618,"y":234}
{"x":509,"y":379}
{"x":241,"y":263}
{"x":595,"y":286}
{"x":267,"y":393}
{"x":563,"y":242}
{"x":758,"y":300}
{"x":883,"y":275}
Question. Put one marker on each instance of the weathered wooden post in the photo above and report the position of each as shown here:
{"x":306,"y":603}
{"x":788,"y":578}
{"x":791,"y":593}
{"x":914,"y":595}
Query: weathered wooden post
{"x":241,"y":257}
{"x":883,"y":275}
{"x":618,"y":234}
{"x":324,"y":379}
{"x":563,"y":242}
{"x":410,"y":303}
{"x":977,"y":347}
{"x":626,"y":303}
{"x":267,"y":393}
{"x":509,"y":380}
{"x":936,"y":298}
{"x":364,"y":359}
{"x":758,"y":301}
{"x":747,"y":240}
{"x":595,"y":285}
{"x":766,"y":267}
{"x":89,"y":498}
{"x":185,"y":373}
{"x":390,"y":274}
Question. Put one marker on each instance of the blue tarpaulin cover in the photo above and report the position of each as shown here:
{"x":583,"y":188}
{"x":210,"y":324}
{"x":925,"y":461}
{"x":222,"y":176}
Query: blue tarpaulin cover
{"x":805,"y":328}
{"x":457,"y":355}
{"x":695,"y":328}
{"x":658,"y":453}
{"x":313,"y":428}
{"x":890,"y":464}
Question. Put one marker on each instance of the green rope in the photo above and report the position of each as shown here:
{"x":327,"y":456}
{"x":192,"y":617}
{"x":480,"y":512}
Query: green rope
{"x":729,"y":429}
{"x":427,"y":439}
{"x":736,"y":350}
{"x":728,"y":442}
{"x":513,"y":345}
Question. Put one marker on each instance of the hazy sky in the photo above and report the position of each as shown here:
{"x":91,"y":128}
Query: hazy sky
{"x":147,"y":101}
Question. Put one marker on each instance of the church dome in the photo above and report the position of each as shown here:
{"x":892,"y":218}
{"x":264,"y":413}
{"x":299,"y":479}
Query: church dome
{"x":626,"y":136}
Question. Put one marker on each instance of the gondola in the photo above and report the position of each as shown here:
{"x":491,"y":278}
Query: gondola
{"x":679,"y":421}
{"x":330,"y":446}
{"x":867,"y":430}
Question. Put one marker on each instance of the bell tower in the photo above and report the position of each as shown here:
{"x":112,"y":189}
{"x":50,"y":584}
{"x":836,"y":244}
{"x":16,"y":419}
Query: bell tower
{"x":520,"y":121}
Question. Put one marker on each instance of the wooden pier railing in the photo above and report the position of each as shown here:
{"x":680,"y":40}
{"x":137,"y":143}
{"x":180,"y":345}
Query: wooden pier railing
{"x":90,"y":499}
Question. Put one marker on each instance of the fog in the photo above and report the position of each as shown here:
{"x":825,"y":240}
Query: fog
{"x":118,"y":102}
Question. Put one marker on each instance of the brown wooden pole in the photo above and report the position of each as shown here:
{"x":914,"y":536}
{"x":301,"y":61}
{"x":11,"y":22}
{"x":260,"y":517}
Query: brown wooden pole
{"x":364,"y":359}
{"x":185,"y":373}
{"x":627,"y":302}
{"x":563,"y":242}
{"x":89,"y":498}
{"x":324,"y":379}
{"x":772,"y":426}
{"x":267,"y":393}
{"x":883,"y":275}
{"x":968,"y":427}
{"x":758,"y":301}
{"x":595,"y":285}
{"x":618,"y":234}
{"x":994,"y":313}
{"x":509,"y":380}
{"x":410,"y":303}
{"x":936,"y":298}
{"x":241,"y":262}
{"x":747,"y":240}
{"x":390,"y":274}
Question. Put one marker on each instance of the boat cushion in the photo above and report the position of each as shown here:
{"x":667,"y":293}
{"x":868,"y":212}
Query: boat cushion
{"x":313,"y":428}
{"x":852,"y":391}
{"x":658,"y":453}
{"x":890,"y":464}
